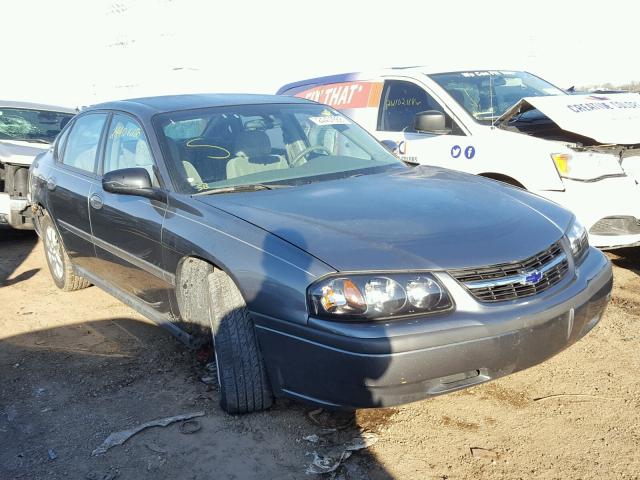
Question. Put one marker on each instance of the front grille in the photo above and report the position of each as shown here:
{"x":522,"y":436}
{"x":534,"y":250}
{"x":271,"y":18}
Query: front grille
{"x":517,"y":279}
{"x":623,"y":225}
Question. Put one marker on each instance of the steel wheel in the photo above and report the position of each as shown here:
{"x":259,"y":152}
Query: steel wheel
{"x":54,"y":252}
{"x":60,"y":266}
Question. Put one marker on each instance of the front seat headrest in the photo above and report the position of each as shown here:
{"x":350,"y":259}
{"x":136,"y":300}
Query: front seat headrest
{"x":252,"y":143}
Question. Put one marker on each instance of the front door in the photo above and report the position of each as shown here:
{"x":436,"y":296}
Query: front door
{"x":127,"y":229}
{"x":399,"y":103}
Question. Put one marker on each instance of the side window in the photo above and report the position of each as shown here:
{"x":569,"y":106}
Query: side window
{"x":127,"y":147}
{"x":61,"y":141}
{"x":82,"y":143}
{"x":401,"y":101}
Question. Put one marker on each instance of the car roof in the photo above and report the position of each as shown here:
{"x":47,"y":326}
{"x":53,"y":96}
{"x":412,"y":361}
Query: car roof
{"x":149,"y":106}
{"x":296,"y":86}
{"x":36,"y":106}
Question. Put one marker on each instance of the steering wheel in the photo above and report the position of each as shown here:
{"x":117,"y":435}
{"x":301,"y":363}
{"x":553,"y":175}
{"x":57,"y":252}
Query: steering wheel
{"x":306,"y":151}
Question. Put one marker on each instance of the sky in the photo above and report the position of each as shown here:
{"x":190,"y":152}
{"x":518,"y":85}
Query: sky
{"x":82,"y":52}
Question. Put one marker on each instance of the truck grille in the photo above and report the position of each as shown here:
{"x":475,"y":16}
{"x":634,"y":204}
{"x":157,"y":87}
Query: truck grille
{"x":518,"y":279}
{"x":623,"y":225}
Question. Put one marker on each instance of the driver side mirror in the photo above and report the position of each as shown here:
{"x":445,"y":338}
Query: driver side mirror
{"x":431,"y":121}
{"x":131,"y":181}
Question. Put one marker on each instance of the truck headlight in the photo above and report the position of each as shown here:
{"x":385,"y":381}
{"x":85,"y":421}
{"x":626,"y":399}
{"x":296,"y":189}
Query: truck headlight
{"x":377,"y":296}
{"x":578,"y":240}
{"x":587,"y":165}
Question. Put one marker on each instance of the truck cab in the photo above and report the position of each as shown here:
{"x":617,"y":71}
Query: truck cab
{"x":581,"y":151}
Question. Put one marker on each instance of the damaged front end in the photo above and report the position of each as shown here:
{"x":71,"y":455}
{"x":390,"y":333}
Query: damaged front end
{"x":601,"y":133}
{"x":598,"y":138}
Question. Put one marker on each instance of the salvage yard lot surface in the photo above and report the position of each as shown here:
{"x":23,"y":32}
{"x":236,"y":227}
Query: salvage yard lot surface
{"x":75,"y":367}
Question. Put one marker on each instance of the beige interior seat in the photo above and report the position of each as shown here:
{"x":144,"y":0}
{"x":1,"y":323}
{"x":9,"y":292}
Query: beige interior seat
{"x":253,"y":155}
{"x":193,"y":177}
{"x":189,"y":172}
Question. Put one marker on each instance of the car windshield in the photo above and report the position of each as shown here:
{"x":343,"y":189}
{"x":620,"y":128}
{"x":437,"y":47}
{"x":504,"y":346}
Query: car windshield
{"x":486,"y":95}
{"x":29,"y":125}
{"x":268,"y":144}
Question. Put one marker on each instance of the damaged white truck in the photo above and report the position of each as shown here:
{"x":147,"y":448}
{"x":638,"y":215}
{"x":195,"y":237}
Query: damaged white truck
{"x":26,"y":130}
{"x":582,"y":151}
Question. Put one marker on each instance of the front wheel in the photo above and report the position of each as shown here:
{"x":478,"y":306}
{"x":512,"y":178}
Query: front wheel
{"x":244,"y":386}
{"x":59,"y":263}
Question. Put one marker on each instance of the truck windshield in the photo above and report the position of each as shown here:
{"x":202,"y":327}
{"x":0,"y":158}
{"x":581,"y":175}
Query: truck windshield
{"x":227,"y":149}
{"x":41,"y":126}
{"x":488,"y":94}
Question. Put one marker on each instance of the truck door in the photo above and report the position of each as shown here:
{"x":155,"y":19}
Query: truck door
{"x":400,"y":101}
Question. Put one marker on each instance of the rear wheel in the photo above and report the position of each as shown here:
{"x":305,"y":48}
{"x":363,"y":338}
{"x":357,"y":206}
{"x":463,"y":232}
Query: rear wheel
{"x":244,"y":386}
{"x":59,"y":263}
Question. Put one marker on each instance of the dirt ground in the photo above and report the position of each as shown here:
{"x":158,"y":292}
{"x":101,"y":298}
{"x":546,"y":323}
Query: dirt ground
{"x":75,"y":367}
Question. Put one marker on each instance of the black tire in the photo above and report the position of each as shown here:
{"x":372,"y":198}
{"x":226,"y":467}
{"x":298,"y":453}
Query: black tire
{"x":60,"y":266}
{"x":244,"y":386}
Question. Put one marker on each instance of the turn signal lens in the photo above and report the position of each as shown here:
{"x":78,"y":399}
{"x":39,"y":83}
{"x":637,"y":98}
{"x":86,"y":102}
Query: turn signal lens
{"x":342,"y":296}
{"x":353,"y":296}
{"x":562,"y":162}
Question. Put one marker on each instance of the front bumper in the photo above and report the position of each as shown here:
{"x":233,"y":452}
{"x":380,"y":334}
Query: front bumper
{"x":356,"y":365}
{"x":13,"y":211}
{"x":596,"y":203}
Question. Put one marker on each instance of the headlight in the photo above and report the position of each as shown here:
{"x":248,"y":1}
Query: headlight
{"x":586,"y":165}
{"x":578,"y":240}
{"x":375,"y":296}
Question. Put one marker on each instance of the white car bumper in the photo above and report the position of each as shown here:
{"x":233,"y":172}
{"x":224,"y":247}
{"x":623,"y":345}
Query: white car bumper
{"x":631,"y":166}
{"x":10,"y":208}
{"x":5,"y":204}
{"x":608,"y":208}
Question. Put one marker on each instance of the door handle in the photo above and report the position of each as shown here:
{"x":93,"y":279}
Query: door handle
{"x":51,"y":184}
{"x":96,"y":201}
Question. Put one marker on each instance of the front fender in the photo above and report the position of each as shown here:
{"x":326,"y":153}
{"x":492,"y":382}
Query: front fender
{"x":271,"y":273}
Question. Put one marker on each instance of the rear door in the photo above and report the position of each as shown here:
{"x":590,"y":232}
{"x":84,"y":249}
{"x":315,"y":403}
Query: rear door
{"x":127,"y":229}
{"x":72,"y":180}
{"x":399,"y":103}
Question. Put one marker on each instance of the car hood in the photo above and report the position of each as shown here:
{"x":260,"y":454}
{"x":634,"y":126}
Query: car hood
{"x":421,"y":218}
{"x":607,"y":119}
{"x":20,"y":153}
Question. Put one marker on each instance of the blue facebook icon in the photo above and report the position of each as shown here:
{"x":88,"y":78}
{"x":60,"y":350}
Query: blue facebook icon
{"x":469,"y":152}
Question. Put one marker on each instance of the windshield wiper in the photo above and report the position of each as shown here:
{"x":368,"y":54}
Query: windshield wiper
{"x":252,"y":187}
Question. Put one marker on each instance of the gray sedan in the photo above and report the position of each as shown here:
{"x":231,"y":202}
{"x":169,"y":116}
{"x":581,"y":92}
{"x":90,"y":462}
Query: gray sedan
{"x":325,"y":269}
